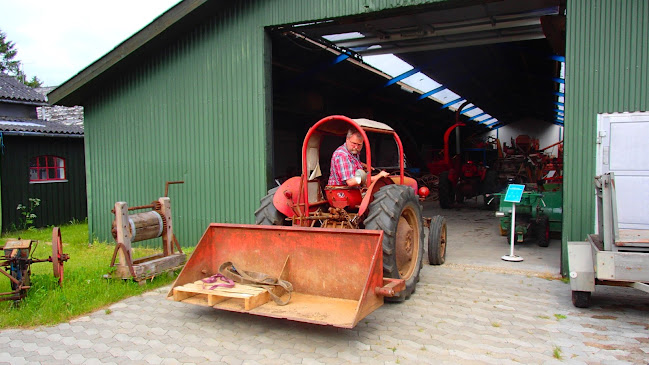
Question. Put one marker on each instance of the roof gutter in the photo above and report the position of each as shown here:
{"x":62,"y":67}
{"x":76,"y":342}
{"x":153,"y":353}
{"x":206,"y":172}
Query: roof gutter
{"x":39,"y":134}
{"x":124,"y":49}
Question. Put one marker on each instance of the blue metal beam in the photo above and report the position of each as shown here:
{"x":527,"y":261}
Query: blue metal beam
{"x":476,"y":116}
{"x":558,"y":80}
{"x":559,"y":94}
{"x":452,"y":102}
{"x":468,"y":109}
{"x":560,"y":112}
{"x":557,"y":103}
{"x":404,"y":75}
{"x":434,"y":91}
{"x":340,"y":58}
{"x":558,"y":58}
{"x":486,"y":120}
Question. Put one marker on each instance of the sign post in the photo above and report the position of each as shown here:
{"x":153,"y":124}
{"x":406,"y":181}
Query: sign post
{"x":513,"y":195}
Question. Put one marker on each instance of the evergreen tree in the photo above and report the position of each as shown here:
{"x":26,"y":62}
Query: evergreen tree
{"x":9,"y":65}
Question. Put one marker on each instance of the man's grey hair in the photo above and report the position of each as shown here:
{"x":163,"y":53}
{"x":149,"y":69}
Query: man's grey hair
{"x":352,"y":131}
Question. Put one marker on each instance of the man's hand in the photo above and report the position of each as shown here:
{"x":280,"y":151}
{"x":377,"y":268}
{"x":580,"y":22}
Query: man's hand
{"x":380,"y":175}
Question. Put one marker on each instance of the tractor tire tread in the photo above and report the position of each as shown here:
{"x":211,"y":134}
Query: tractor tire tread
{"x":267,"y":214}
{"x":383,"y":214}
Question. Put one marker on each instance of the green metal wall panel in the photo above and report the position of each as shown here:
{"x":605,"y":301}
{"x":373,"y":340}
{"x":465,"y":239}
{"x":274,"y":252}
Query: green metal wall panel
{"x":61,"y":202}
{"x":607,"y":58}
{"x":196,"y":111}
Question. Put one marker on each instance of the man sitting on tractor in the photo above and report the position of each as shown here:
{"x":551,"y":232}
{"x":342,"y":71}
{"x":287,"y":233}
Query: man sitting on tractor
{"x":345,"y":161}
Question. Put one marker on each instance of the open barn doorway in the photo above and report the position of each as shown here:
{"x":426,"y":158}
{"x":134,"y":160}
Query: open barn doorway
{"x":500,"y":61}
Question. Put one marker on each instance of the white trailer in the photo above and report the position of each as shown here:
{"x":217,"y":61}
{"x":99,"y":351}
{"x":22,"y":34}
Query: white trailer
{"x":613,"y":256}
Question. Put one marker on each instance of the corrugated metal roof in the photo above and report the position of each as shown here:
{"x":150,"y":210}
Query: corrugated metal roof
{"x":8,"y":124}
{"x":14,"y":90}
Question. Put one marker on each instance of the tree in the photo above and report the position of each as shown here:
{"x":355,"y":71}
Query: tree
{"x":8,"y":65}
{"x":11,"y":66}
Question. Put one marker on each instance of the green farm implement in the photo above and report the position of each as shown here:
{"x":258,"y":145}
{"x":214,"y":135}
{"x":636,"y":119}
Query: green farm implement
{"x":538,"y":213}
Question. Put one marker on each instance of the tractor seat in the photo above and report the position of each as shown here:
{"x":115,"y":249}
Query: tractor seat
{"x":341,"y":196}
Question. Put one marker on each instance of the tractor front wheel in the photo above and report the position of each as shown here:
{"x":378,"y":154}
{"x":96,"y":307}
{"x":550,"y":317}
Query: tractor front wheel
{"x":396,"y":211}
{"x":437,"y":241}
{"x":267,"y":214}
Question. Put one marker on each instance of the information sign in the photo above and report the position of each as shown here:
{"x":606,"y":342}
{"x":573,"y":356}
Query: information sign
{"x":514,"y":193}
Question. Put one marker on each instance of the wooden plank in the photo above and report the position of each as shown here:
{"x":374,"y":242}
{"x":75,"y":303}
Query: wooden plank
{"x":256,"y":301}
{"x":215,"y":299}
{"x":633,"y":238}
{"x":156,"y":266}
{"x":239,"y":290}
{"x":252,"y":297}
{"x":180,"y":295}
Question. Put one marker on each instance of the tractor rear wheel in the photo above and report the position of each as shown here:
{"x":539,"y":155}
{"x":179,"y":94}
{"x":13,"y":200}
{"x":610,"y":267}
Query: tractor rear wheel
{"x":267,"y":214}
{"x":445,"y":191}
{"x":396,"y":211}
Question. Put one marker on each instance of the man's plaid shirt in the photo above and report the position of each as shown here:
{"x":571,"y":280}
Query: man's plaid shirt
{"x":343,"y":166}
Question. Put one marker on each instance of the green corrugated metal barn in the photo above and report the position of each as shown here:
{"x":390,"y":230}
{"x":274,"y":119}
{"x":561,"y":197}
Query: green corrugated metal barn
{"x":219,"y":94}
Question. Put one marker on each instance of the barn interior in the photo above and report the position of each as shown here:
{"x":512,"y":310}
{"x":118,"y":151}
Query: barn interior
{"x":501,"y":59}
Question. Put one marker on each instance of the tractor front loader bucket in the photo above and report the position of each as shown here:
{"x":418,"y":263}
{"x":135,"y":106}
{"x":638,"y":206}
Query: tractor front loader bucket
{"x":336,"y":274}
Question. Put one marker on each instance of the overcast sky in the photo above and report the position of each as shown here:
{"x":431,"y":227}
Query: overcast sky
{"x":56,"y":39}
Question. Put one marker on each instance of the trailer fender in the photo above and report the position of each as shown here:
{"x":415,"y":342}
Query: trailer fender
{"x":581,"y":266}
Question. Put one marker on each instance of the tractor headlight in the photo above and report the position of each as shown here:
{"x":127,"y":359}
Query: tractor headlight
{"x":500,"y":214}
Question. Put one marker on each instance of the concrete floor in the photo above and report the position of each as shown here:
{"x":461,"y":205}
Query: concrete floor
{"x":474,"y":239}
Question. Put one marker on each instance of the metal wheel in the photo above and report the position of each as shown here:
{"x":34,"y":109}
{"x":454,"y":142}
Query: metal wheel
{"x":543,"y":231}
{"x":58,"y":258}
{"x":446,"y":195}
{"x":437,"y":241}
{"x":581,"y":299}
{"x":396,"y":211}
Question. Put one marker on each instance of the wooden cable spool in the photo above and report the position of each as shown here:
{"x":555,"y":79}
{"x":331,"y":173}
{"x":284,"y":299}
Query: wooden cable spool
{"x":144,"y":226}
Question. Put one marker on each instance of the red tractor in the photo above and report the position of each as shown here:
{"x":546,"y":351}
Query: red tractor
{"x":390,"y":204}
{"x":459,"y":180}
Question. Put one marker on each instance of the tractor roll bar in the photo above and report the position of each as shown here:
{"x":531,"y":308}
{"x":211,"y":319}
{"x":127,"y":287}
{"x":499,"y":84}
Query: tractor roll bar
{"x":368,"y":152}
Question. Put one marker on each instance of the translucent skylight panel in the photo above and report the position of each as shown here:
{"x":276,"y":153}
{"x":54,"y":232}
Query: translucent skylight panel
{"x":445,"y":96}
{"x":481,"y":118}
{"x":455,"y":106}
{"x":388,"y":63}
{"x":421,"y":82}
{"x":342,"y":36}
{"x":473,"y":112}
{"x":561,"y":99}
{"x":562,"y":88}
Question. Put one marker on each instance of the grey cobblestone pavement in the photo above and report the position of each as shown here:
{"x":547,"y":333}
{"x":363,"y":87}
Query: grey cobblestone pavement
{"x":475,"y":309}
{"x":457,"y":315}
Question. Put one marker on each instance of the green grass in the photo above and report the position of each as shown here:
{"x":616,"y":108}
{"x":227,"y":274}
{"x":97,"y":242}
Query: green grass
{"x":84,"y":289}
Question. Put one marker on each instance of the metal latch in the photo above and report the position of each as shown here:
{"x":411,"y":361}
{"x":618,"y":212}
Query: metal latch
{"x":600,"y":136}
